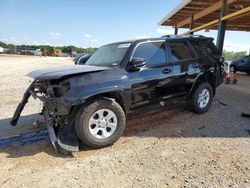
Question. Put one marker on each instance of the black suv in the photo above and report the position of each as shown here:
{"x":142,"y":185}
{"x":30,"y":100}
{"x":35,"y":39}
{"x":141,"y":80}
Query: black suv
{"x":90,"y":103}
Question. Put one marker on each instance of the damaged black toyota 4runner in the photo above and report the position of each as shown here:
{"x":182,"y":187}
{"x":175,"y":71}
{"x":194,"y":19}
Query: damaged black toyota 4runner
{"x":90,"y":103}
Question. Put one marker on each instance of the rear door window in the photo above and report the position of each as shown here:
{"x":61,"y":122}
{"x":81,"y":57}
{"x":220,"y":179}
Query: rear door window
{"x":180,"y":50}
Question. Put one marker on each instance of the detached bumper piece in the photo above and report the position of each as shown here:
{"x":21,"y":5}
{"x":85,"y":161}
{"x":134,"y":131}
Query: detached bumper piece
{"x":20,"y":107}
{"x":62,"y":133}
{"x":66,"y":136}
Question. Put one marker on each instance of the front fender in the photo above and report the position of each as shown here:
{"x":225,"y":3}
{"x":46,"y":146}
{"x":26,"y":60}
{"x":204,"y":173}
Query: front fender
{"x":86,"y":86}
{"x":104,"y":92}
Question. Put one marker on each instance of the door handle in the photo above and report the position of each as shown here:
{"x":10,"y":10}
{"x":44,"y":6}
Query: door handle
{"x":166,"y":71}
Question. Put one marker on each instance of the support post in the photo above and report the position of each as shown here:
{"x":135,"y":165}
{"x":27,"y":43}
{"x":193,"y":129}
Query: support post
{"x":176,"y":30}
{"x":191,"y":24}
{"x":222,"y":27}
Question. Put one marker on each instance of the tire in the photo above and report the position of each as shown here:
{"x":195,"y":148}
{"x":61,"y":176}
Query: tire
{"x":248,"y":73}
{"x":205,"y":100}
{"x":227,"y":81}
{"x":95,"y":132}
{"x":235,"y":81}
{"x":233,"y":69}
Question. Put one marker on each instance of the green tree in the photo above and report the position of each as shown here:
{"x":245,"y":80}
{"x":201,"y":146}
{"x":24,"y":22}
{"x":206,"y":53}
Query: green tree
{"x":46,"y":48}
{"x":231,"y":55}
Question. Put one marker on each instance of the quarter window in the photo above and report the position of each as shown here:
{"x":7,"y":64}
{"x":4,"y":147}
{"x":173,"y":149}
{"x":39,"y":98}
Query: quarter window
{"x":180,"y":50}
{"x":204,"y":47}
{"x":198,"y":48}
{"x":152,"y":52}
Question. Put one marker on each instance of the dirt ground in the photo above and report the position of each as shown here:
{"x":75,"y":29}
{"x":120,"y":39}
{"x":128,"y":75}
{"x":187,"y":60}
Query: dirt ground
{"x":174,"y":148}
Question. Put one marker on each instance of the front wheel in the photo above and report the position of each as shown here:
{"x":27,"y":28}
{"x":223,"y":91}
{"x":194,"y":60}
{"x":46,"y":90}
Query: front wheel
{"x":201,"y":98}
{"x":100,"y":123}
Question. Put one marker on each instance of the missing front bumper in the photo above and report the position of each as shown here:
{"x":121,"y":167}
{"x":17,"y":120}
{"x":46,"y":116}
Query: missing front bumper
{"x":66,"y":136}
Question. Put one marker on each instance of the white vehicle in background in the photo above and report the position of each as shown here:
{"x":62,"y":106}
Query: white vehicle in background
{"x":230,"y":74}
{"x":1,"y":50}
{"x":37,"y":52}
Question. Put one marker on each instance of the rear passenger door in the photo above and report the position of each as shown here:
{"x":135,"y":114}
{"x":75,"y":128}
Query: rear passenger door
{"x":185,"y":66}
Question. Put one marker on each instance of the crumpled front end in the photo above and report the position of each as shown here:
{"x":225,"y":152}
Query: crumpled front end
{"x":59,"y":114}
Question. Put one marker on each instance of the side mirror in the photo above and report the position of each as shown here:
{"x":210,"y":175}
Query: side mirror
{"x":136,"y":63}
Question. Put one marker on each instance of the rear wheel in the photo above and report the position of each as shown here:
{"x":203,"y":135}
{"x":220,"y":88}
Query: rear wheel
{"x":201,"y":98}
{"x":100,"y":123}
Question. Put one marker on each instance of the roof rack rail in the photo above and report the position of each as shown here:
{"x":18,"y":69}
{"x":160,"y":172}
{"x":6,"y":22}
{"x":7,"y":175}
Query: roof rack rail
{"x":166,"y":36}
{"x":169,"y":36}
{"x":196,"y":35}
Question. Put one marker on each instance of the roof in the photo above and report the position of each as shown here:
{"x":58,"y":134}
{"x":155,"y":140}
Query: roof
{"x":165,"y":37}
{"x":204,"y":12}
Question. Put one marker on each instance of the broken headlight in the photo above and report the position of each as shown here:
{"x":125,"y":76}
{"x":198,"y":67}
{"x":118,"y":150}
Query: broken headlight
{"x":58,"y":90}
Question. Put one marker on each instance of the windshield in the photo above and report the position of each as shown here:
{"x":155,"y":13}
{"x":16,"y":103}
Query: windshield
{"x":109,"y":55}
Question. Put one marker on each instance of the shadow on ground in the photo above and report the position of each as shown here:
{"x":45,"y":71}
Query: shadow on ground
{"x":220,"y":121}
{"x":25,"y":124}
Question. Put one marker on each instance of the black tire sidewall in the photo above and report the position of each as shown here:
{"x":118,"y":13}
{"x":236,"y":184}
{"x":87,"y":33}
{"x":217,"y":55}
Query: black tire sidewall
{"x":194,"y":99}
{"x":82,"y":123}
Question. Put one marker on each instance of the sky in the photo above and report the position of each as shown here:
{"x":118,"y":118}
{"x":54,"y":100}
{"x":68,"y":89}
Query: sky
{"x":93,"y":23}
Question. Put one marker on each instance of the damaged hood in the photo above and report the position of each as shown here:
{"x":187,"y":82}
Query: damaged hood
{"x":57,"y":73}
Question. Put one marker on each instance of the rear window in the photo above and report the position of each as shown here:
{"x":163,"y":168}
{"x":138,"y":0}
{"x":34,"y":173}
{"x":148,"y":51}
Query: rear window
{"x":197,"y":47}
{"x":204,"y":47}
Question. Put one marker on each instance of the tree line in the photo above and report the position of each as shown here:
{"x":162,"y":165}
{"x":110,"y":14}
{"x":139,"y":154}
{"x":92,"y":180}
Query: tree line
{"x":228,"y":55}
{"x":64,"y":49}
{"x":231,"y":55}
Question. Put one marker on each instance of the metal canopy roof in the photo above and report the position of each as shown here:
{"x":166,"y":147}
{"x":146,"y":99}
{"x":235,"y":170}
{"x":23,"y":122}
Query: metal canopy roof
{"x":206,"y":13}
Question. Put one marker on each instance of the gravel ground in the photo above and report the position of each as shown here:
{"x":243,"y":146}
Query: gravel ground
{"x":173,"y":148}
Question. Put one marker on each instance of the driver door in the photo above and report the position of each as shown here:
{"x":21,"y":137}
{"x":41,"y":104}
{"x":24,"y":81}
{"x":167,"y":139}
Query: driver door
{"x":151,"y":83}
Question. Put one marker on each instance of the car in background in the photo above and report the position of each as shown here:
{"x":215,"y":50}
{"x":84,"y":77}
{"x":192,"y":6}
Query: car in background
{"x":1,"y":50}
{"x":81,"y":59}
{"x":242,"y":65}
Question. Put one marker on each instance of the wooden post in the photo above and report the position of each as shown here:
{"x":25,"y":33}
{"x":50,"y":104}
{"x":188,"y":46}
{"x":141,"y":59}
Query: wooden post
{"x":191,"y":24}
{"x":222,"y":27}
